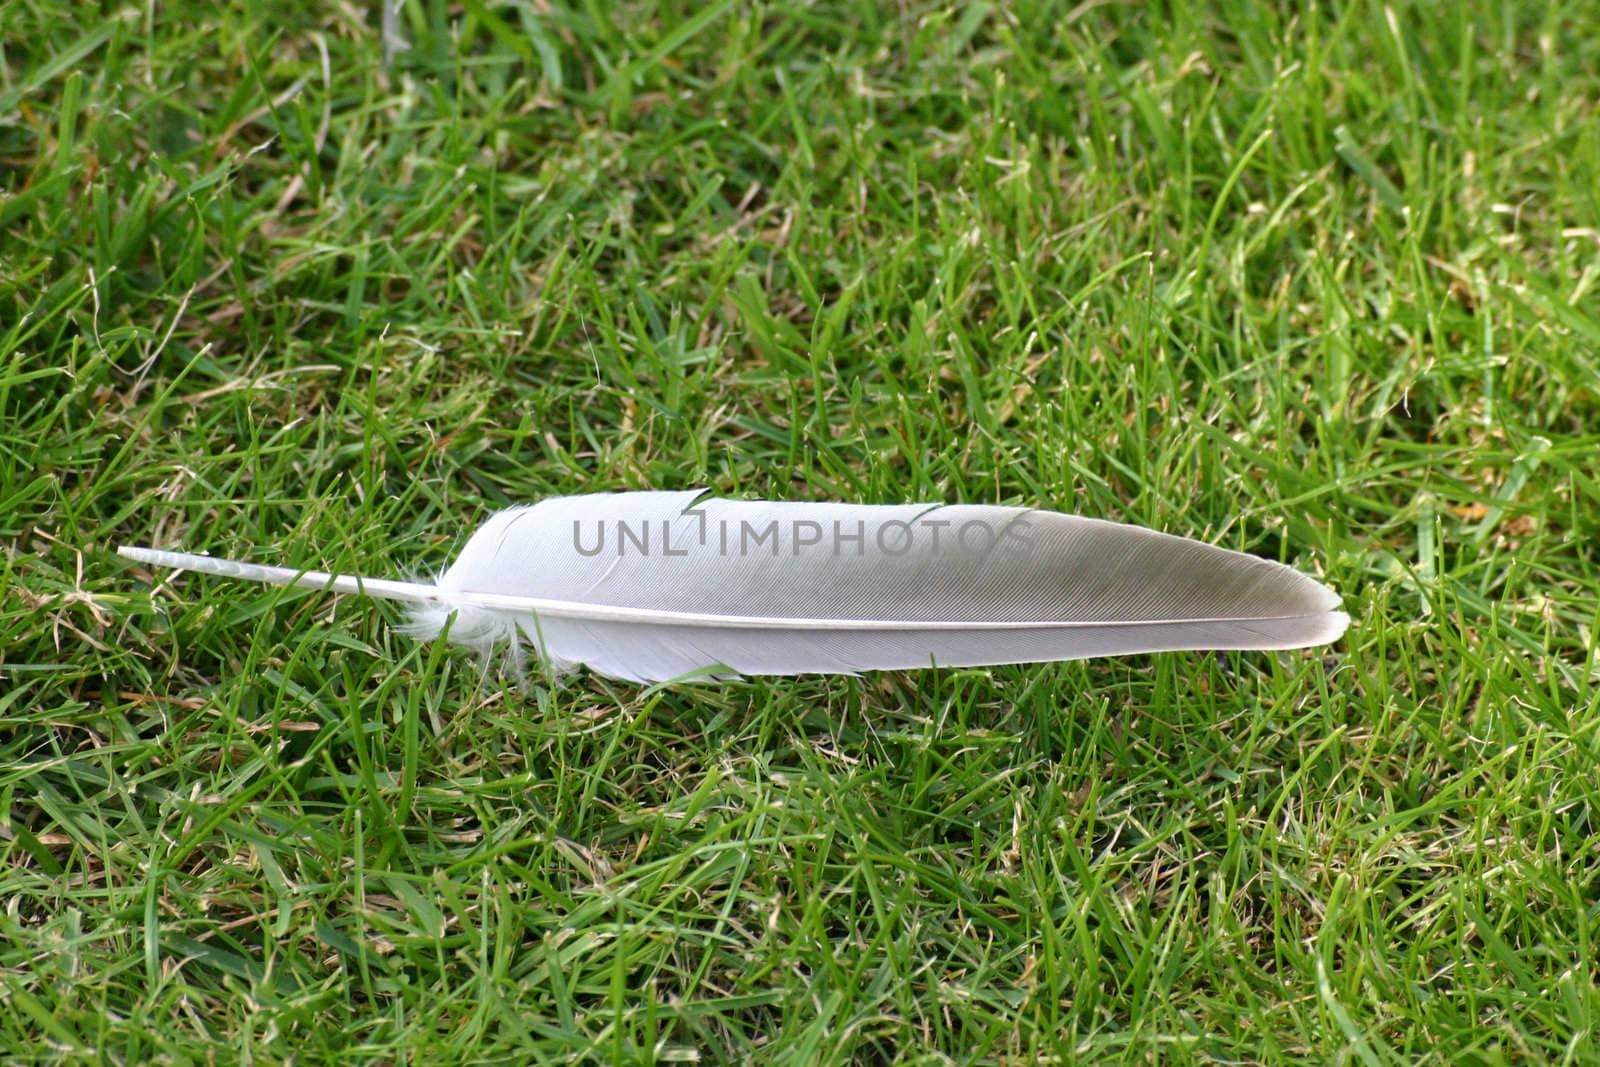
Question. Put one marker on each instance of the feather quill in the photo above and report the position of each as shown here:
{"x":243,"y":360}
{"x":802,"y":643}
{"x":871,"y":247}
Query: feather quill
{"x":651,"y":586}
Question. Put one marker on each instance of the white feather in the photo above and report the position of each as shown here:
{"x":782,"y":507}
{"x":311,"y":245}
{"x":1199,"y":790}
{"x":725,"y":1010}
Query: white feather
{"x":652,"y":586}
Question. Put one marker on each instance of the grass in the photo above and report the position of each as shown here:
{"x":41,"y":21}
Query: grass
{"x":1320,"y":287}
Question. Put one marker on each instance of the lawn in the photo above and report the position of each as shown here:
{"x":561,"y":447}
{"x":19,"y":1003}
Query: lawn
{"x":1325,"y":288}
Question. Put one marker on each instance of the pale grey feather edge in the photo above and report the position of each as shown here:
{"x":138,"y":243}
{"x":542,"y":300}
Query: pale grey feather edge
{"x":648,"y":653}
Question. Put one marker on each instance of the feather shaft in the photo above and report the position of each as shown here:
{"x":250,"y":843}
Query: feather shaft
{"x":413,"y":592}
{"x":381,"y":588}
